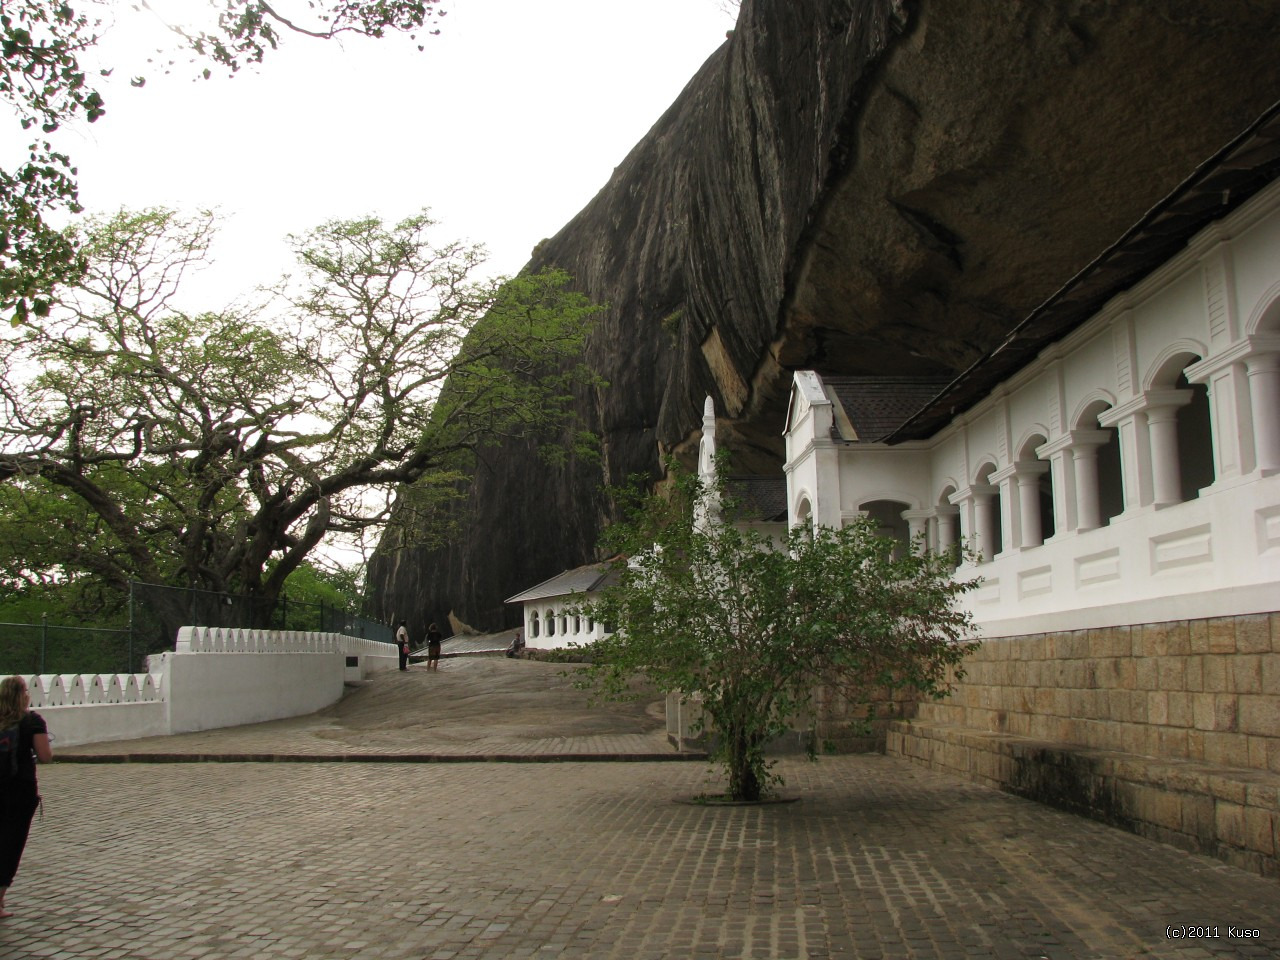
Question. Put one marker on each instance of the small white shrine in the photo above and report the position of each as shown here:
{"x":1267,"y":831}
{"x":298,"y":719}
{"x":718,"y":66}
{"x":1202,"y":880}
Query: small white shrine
{"x":552,"y":616}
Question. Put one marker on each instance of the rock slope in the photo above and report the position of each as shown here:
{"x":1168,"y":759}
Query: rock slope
{"x":855,"y":186}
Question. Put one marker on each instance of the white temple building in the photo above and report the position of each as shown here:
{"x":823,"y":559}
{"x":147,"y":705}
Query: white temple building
{"x":1115,"y":465}
{"x":551,"y":610}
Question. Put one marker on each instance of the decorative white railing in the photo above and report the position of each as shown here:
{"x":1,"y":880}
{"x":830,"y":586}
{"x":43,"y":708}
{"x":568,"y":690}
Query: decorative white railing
{"x":78,"y":689}
{"x":235,"y":640}
{"x":214,"y":677}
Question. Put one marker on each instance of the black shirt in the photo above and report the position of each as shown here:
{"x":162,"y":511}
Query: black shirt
{"x":30,"y":725}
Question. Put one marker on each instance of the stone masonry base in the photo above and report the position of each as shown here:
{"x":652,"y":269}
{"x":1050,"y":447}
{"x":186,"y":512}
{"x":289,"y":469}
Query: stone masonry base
{"x":1170,"y":730}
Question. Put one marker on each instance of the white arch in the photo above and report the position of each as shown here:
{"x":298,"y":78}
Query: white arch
{"x":1267,"y":308}
{"x":947,"y":483}
{"x":1035,"y":430}
{"x":1172,"y":350}
{"x":803,"y":506}
{"x":982,"y":461}
{"x":1106,"y":398}
{"x":895,"y":496}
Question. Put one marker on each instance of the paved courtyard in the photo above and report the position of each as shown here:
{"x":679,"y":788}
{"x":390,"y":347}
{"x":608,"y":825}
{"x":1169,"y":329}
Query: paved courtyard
{"x":388,"y":858}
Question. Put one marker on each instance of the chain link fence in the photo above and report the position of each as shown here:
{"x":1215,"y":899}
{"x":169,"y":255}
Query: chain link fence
{"x":155,"y":613}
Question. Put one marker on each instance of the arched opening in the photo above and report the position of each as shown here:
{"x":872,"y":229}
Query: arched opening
{"x":1110,"y":478}
{"x":1179,"y":433}
{"x":1195,"y":440}
{"x":1035,"y":493}
{"x":1263,"y":371}
{"x":890,"y":524}
{"x":551,"y":623}
{"x":987,"y":509}
{"x":1099,"y":473}
{"x":533,"y":623}
{"x":804,"y":514}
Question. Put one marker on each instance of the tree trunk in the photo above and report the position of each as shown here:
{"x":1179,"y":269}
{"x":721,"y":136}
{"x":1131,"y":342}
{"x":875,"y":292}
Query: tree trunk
{"x":744,"y":780}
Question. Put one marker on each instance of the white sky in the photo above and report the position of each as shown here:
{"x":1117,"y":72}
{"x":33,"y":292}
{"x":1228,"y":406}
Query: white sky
{"x":506,"y":126}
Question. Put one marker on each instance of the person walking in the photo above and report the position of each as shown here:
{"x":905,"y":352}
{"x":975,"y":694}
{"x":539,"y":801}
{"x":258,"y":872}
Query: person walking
{"x":434,"y":639}
{"x":24,"y":739}
{"x":402,"y":644}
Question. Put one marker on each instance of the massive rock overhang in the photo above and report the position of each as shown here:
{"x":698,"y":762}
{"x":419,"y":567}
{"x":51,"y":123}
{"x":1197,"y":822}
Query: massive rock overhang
{"x":1219,"y":185}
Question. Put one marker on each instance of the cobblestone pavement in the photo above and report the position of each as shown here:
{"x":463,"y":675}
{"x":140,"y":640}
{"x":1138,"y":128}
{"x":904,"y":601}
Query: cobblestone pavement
{"x":877,"y":859}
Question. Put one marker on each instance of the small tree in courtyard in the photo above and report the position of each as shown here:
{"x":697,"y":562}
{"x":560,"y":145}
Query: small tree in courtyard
{"x":754,"y":626}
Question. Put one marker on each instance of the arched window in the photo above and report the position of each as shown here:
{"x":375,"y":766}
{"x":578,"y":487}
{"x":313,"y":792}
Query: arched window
{"x":1095,"y":460}
{"x":551,"y":623}
{"x":890,"y":524}
{"x":804,"y":514}
{"x":533,"y":623}
{"x":1034,"y":478}
{"x":987,"y":508}
{"x":1179,"y":434}
{"x":1195,"y":440}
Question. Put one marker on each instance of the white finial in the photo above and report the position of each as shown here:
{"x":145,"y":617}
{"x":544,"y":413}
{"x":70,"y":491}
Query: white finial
{"x":707,"y":510}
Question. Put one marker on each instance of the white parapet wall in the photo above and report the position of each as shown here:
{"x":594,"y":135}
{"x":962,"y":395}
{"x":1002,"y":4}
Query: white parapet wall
{"x":213,"y":678}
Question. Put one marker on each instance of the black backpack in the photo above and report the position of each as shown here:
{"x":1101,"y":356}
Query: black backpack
{"x":10,"y":744}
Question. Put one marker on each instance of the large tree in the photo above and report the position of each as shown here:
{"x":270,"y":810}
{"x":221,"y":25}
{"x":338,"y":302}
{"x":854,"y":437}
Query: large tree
{"x":217,"y":449}
{"x":754,"y":627}
{"x":45,"y":78}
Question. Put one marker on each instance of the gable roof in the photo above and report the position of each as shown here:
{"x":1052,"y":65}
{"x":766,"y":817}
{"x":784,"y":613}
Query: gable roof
{"x":1222,"y":183}
{"x":759,"y":497}
{"x":874,"y":407}
{"x":593,"y":576}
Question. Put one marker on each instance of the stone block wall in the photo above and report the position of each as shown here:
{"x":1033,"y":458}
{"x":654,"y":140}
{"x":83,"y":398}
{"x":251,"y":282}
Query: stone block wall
{"x":1203,"y":690}
{"x":841,"y":722}
{"x":1169,"y":730}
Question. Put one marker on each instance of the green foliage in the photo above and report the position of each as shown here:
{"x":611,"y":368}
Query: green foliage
{"x":216,"y":450}
{"x":337,"y":588}
{"x":43,"y":78}
{"x":754,"y":627}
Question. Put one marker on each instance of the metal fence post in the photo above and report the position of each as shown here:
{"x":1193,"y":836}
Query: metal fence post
{"x":128,"y":664}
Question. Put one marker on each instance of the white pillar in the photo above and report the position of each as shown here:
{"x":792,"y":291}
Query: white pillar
{"x":1058,"y":453}
{"x":963,"y":500}
{"x":1084,"y":458}
{"x":1166,"y":474}
{"x":947,"y":517}
{"x":1264,"y":404}
{"x":984,"y":520}
{"x":918,"y":529}
{"x":1028,"y":476}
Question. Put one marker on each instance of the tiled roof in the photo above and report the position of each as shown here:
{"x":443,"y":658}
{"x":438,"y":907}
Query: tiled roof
{"x":874,"y":407}
{"x":759,"y":497}
{"x":594,"y":576}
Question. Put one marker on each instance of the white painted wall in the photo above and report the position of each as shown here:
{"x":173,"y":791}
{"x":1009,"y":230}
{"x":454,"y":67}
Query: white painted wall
{"x":214,"y":678}
{"x":570,"y":629}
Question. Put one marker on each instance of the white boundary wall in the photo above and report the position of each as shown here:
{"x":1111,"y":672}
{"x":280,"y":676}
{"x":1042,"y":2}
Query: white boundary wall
{"x":214,"y":678}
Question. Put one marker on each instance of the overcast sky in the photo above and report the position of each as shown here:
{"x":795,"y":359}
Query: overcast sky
{"x":505,"y":126}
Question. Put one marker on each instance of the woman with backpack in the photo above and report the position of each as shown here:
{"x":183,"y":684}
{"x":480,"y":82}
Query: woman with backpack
{"x":24,"y":739}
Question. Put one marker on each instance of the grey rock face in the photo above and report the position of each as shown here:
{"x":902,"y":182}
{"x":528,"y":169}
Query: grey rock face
{"x":857,"y":186}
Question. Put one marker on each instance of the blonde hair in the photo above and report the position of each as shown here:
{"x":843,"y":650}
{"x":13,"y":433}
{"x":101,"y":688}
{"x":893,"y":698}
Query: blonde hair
{"x":13,"y":702}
